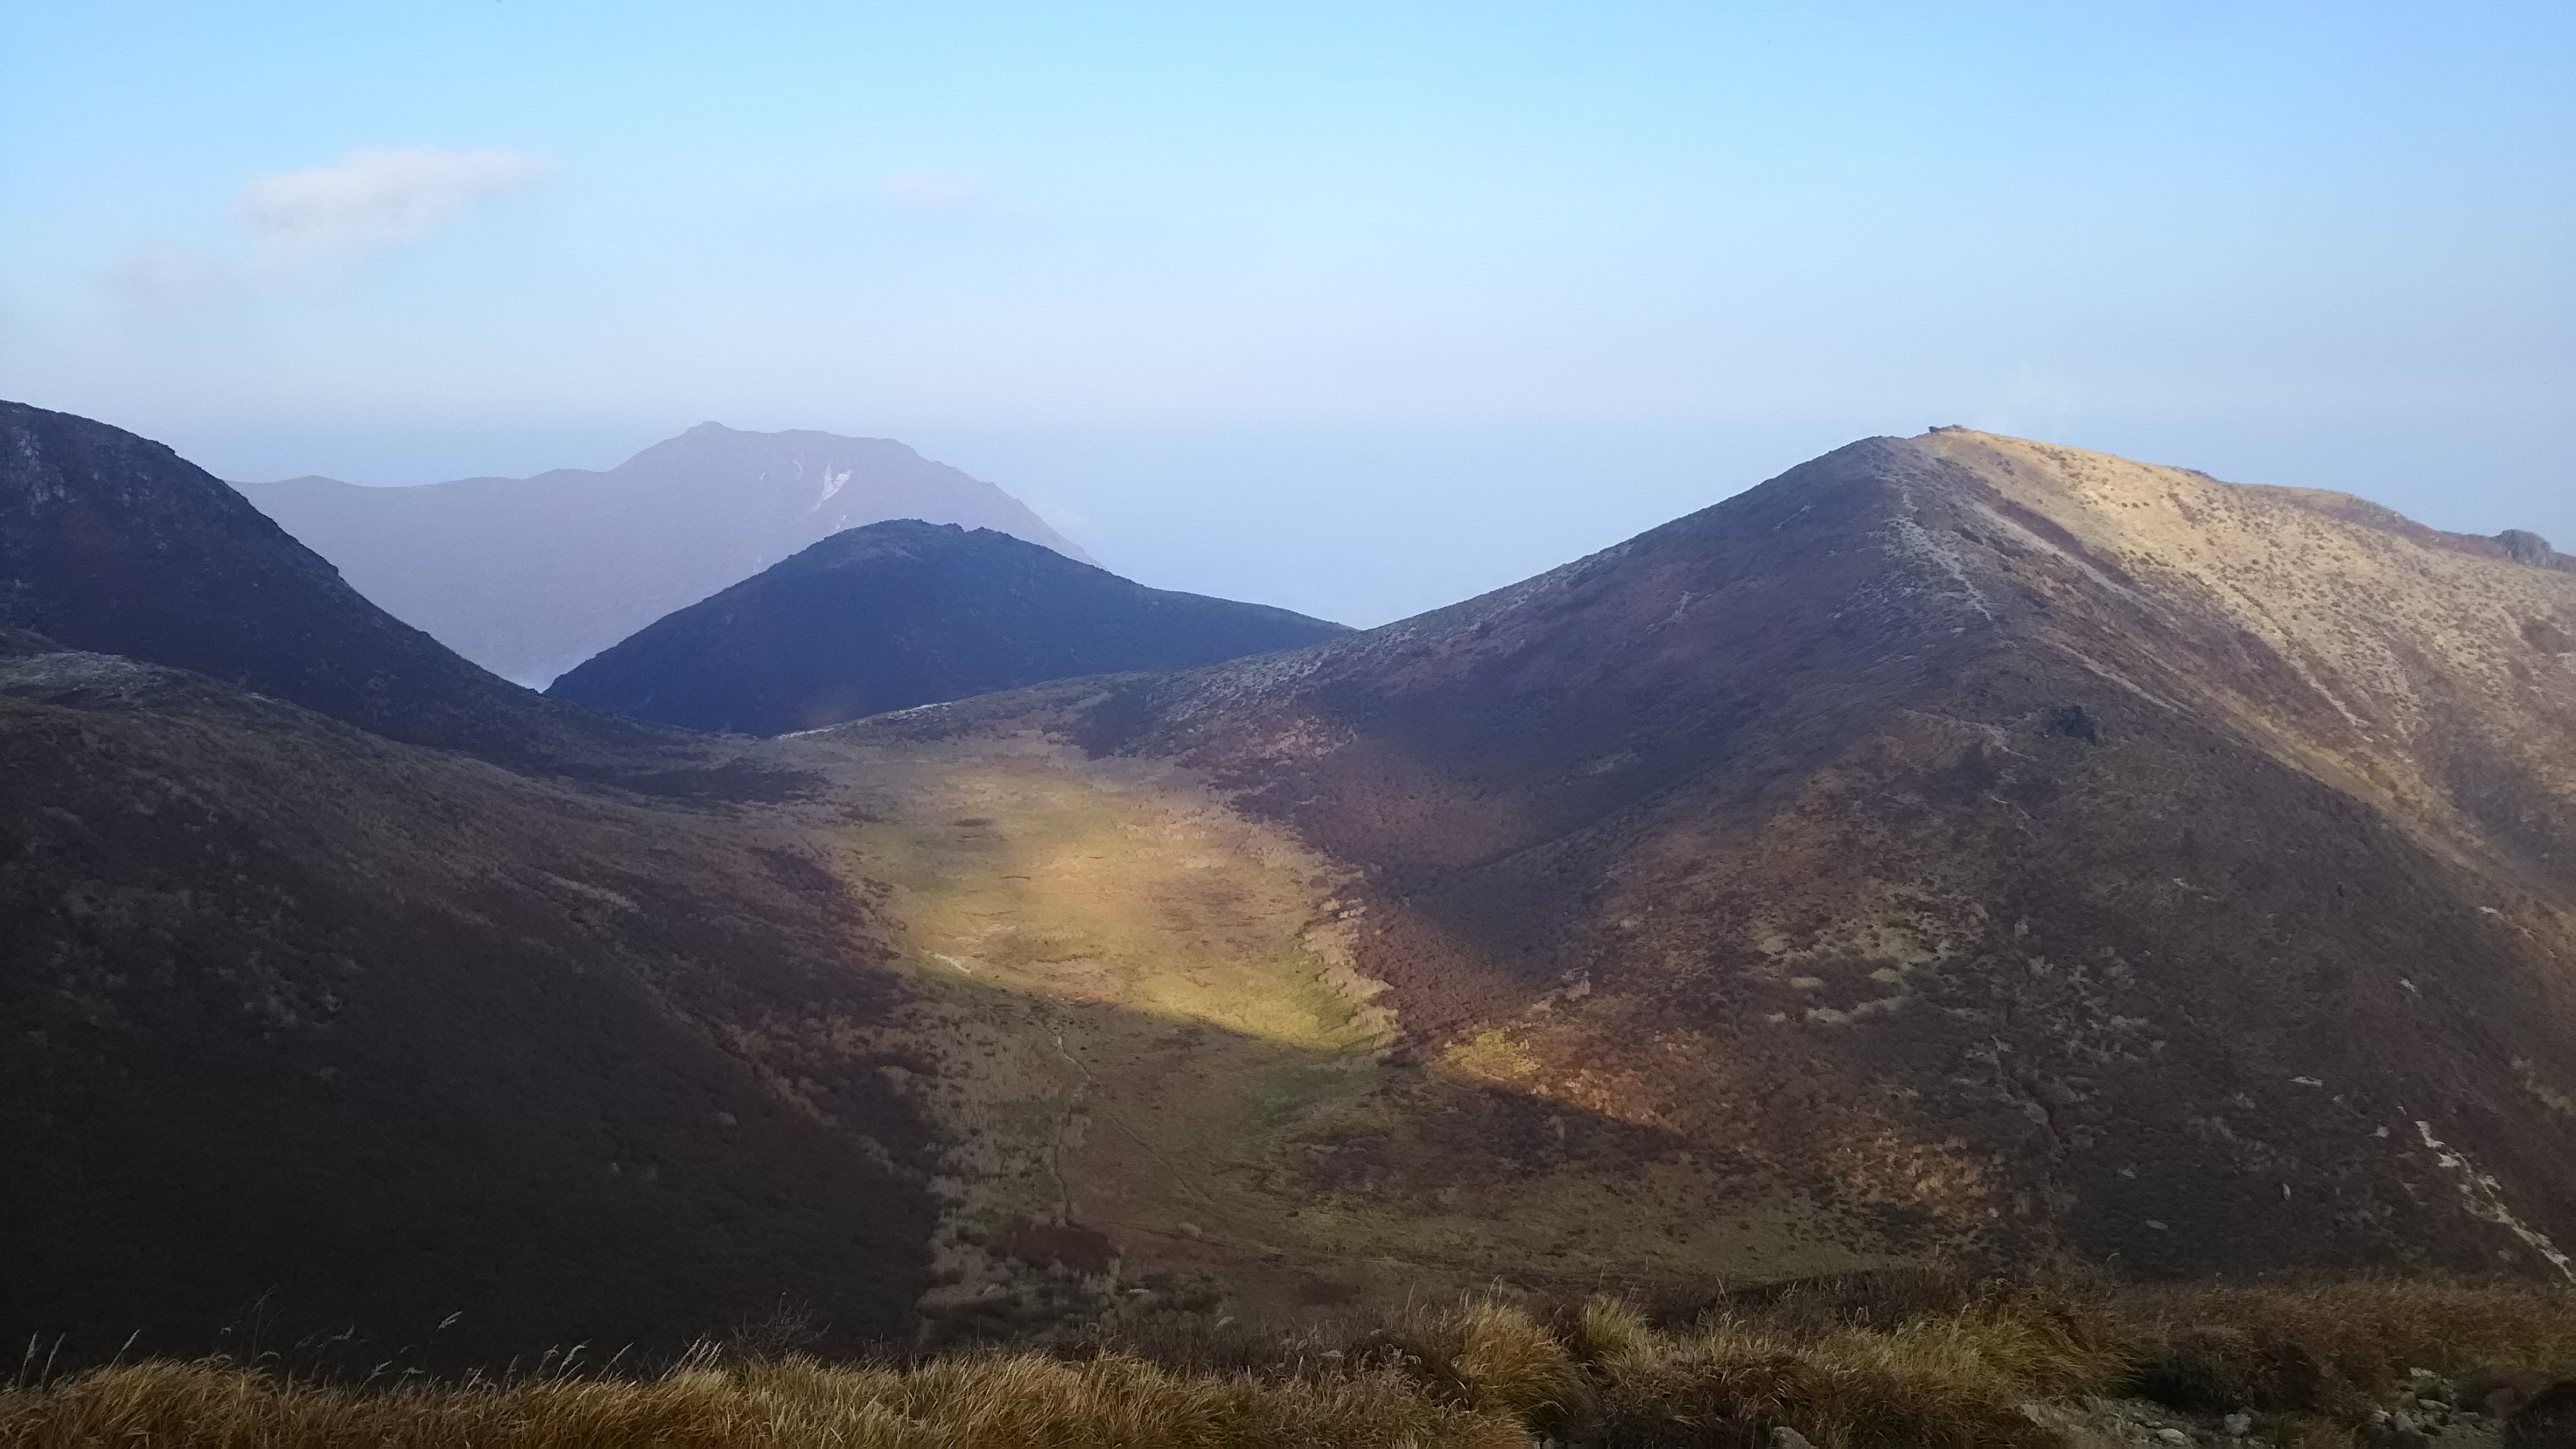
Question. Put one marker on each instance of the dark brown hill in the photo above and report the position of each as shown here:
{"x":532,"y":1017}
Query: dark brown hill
{"x":530,"y":576}
{"x":2018,"y":849}
{"x":309,"y":1031}
{"x":113,"y":543}
{"x":904,"y":613}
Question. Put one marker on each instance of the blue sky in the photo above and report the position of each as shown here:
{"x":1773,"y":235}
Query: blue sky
{"x":1351,"y":308}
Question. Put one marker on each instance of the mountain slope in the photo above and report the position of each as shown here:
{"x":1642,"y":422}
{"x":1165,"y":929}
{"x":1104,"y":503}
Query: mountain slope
{"x":904,"y":613}
{"x":313,"y":1031}
{"x":112,"y":543}
{"x":530,"y":576}
{"x":1968,"y":846}
{"x":310,"y":1029}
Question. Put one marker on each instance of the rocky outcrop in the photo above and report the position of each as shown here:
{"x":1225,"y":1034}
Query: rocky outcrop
{"x":2527,"y":548}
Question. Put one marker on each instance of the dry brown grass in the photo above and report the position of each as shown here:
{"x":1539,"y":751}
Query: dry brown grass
{"x":2336,"y":1346}
{"x":1850,"y":1363}
{"x":1953,"y":1378}
{"x":983,"y":1402}
{"x":1511,"y":1364}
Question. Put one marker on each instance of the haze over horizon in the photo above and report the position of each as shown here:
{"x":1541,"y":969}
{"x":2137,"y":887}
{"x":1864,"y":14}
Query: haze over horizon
{"x":1350,"y":311}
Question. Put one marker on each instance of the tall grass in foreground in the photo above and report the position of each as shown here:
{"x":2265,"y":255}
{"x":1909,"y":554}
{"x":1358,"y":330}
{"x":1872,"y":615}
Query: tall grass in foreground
{"x":1952,"y":1376}
{"x":979,"y":1402}
{"x":1869,"y":1362}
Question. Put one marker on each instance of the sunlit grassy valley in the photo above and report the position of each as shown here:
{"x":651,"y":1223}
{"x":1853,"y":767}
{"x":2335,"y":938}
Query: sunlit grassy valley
{"x":1148,"y":1032}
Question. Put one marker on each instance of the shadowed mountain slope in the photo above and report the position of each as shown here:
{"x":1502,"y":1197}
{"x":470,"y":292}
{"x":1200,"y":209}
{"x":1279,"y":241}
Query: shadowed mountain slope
{"x":2022,"y":849}
{"x":530,"y":576}
{"x":113,"y":543}
{"x":311,"y":1029}
{"x":308,"y":1030}
{"x":904,"y":613}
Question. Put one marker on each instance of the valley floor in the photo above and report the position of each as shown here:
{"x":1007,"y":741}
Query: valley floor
{"x":1141,"y":1028}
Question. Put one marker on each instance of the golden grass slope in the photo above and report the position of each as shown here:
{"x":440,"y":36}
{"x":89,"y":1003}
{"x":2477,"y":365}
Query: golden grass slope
{"x":2395,"y":635}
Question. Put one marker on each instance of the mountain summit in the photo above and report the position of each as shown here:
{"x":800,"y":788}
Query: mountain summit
{"x":904,"y":613}
{"x":529,"y":576}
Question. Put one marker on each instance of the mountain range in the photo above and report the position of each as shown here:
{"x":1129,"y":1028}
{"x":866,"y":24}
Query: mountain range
{"x":1958,"y":850}
{"x":529,"y":576}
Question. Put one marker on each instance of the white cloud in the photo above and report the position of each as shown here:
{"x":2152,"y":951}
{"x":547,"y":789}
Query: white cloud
{"x":932,"y":189}
{"x":377,"y":196}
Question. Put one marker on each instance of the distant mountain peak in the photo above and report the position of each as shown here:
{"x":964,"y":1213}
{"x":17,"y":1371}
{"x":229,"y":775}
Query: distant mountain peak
{"x":904,"y":613}
{"x":529,"y":576}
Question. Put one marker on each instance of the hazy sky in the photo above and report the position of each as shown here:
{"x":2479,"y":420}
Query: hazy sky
{"x":1351,"y":308}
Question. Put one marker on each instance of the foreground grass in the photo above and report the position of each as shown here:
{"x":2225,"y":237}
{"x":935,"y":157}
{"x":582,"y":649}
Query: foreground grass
{"x":963,"y":1403}
{"x":1862,"y":1362}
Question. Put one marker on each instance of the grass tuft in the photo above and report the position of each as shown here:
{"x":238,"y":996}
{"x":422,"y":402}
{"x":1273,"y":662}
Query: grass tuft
{"x":1608,"y":1328}
{"x":1510,"y":1364}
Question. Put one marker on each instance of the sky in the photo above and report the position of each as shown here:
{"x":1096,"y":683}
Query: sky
{"x":1354,"y":308}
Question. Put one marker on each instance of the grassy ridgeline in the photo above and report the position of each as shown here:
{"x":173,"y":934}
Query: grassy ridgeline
{"x":1915,"y":1360}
